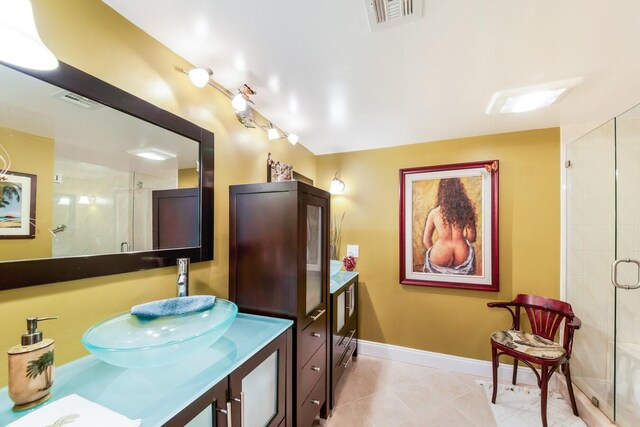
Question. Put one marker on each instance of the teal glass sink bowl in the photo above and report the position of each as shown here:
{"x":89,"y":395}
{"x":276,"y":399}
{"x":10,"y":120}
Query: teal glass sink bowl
{"x":131,"y":342}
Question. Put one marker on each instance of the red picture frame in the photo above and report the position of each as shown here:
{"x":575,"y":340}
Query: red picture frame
{"x":449,"y":226}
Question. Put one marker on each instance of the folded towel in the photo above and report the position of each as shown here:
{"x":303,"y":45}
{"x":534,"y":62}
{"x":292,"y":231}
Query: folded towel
{"x":77,"y":411}
{"x":173,"y":306}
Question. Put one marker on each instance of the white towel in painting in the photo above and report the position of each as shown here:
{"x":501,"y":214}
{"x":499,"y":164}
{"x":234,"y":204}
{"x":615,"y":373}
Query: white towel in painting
{"x":468,"y":267}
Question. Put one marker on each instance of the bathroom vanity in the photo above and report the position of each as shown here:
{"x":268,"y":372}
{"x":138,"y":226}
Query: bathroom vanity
{"x":241,"y":379}
{"x":344,"y":326}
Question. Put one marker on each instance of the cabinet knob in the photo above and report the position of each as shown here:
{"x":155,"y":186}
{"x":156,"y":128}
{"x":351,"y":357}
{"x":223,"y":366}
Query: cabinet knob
{"x":316,"y":402}
{"x":315,"y":334}
{"x":315,"y":368}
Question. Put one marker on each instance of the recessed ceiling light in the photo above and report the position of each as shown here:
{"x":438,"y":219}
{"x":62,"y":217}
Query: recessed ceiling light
{"x":152,"y":154}
{"x":531,"y":97}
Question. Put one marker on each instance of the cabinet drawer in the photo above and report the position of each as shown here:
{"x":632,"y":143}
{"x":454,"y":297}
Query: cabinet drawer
{"x":341,"y":363}
{"x":342,"y":338}
{"x":311,"y":338}
{"x":312,"y":404}
{"x":312,"y":371}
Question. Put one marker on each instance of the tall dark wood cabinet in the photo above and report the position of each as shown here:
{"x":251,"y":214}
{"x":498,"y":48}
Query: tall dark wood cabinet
{"x":278,"y":266}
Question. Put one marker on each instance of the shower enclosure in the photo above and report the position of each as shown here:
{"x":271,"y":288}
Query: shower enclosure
{"x":603,"y":264}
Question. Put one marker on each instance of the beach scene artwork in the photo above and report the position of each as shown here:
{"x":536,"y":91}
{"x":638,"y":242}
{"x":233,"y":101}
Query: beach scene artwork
{"x":10,"y":205}
{"x":17,"y":206}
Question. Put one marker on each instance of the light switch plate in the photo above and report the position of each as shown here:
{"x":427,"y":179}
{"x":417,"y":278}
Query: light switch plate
{"x":353,"y":250}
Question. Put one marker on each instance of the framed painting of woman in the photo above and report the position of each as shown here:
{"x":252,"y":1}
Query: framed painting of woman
{"x":449,"y":226}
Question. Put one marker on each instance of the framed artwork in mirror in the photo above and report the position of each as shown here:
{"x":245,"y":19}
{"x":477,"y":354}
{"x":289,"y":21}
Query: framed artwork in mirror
{"x":17,"y":205}
{"x":449,"y":226}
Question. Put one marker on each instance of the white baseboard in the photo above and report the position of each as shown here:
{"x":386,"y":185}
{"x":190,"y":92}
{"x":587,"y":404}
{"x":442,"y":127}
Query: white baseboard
{"x":464,"y":365}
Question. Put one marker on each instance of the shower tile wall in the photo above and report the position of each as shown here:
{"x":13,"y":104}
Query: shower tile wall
{"x":91,"y":228}
{"x":590,"y":250}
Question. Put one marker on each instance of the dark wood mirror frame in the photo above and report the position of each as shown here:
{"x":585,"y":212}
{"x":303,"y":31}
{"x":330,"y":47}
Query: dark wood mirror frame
{"x":19,"y":274}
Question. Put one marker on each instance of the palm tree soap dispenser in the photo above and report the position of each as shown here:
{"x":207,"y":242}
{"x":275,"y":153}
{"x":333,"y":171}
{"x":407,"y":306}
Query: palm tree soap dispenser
{"x":31,"y":367}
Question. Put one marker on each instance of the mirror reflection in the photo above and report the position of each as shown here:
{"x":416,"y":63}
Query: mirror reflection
{"x":106,"y":182}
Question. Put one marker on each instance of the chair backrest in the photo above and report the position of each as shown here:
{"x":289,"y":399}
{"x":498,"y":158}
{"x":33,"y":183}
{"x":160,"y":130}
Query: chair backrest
{"x":545,"y":314}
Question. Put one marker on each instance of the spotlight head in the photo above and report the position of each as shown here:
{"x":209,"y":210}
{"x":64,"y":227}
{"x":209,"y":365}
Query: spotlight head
{"x":293,"y":138}
{"x":239,"y":103}
{"x":272,"y":133}
{"x":200,"y":76}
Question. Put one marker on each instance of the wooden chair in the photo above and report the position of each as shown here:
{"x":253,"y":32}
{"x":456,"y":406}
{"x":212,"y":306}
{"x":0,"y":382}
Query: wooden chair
{"x":545,"y":317}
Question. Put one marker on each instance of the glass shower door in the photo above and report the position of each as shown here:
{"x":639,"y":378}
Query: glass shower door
{"x":627,"y":349}
{"x":590,"y":250}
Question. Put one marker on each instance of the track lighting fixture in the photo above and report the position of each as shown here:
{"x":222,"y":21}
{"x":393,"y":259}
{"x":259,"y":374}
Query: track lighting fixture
{"x":272,"y":132}
{"x":240,"y":101}
{"x":200,"y":76}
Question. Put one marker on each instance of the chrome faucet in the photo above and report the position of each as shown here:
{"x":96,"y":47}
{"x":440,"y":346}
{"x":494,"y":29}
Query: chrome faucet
{"x":183,"y":277}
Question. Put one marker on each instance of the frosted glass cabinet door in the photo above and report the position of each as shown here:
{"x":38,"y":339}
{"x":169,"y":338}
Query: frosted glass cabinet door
{"x":258,"y":387}
{"x":314,"y":258}
{"x":203,"y":419}
{"x":340,"y":310}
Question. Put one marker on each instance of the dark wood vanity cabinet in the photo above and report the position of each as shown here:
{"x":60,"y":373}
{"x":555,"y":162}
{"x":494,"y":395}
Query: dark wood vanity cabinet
{"x":278,"y":266}
{"x":254,"y":394}
{"x":344,"y":327}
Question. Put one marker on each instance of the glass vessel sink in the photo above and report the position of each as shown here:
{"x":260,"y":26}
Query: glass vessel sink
{"x":131,"y":342}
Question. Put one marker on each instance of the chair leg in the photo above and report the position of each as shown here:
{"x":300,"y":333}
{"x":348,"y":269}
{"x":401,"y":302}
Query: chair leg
{"x":567,"y":375}
{"x":544,"y":382}
{"x":515,"y":371}
{"x":494,"y":368}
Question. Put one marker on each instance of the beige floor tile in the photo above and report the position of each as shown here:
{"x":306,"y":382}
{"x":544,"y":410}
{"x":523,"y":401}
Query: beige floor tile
{"x":418,"y":394}
{"x":443,"y":415}
{"x":349,"y":415}
{"x":385,"y":409}
{"x":475,"y":407}
{"x":447,"y":385}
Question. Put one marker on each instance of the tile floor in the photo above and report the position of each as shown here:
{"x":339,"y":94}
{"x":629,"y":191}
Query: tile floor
{"x":383,"y":393}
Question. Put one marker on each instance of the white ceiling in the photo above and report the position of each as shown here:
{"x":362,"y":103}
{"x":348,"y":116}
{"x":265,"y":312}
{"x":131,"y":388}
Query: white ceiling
{"x":322,"y":74}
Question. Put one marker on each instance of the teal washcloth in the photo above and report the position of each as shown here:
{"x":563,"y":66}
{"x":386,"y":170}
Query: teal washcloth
{"x":173,"y":306}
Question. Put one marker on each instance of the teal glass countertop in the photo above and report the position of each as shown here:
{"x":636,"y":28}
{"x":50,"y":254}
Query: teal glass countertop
{"x":340,"y":279}
{"x":155,"y":395}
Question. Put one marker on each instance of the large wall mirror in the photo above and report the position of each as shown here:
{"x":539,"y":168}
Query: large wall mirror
{"x":98,"y":182}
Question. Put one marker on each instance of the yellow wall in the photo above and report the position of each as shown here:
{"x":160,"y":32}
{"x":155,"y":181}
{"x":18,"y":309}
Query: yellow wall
{"x":450,"y":321}
{"x":91,"y":36}
{"x":188,"y":178}
{"x":21,"y":147}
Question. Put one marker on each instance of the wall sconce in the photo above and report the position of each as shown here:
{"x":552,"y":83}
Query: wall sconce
{"x":20,"y":43}
{"x":337,"y":185}
{"x":240,"y":101}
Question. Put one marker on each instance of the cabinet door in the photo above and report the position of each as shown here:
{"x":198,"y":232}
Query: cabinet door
{"x":313,"y":238}
{"x":209,"y":410}
{"x":258,"y":387}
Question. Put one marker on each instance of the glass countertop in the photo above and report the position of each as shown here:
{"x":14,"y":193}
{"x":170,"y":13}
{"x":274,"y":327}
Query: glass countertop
{"x":155,"y":395}
{"x":340,"y":279}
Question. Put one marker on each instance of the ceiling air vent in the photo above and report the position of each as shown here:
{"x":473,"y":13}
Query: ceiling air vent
{"x":78,"y":100}
{"x":386,"y":13}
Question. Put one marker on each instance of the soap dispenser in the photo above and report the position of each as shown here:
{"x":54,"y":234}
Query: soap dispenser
{"x":31,"y":367}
